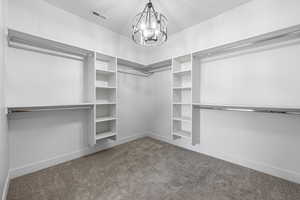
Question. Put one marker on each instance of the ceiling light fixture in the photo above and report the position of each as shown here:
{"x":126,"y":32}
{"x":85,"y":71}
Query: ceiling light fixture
{"x":149,"y":27}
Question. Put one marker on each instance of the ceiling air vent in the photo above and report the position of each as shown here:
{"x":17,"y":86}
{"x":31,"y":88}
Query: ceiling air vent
{"x":97,"y":14}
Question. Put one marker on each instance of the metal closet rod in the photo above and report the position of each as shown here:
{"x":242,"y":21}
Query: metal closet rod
{"x":142,"y":74}
{"x":21,"y":110}
{"x":38,"y":108}
{"x":272,"y":110}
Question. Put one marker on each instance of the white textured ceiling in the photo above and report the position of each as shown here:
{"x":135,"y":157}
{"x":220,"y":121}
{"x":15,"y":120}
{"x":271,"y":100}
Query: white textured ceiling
{"x":120,"y":13}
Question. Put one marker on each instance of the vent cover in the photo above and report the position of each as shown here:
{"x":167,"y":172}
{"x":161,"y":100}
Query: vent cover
{"x":97,"y":14}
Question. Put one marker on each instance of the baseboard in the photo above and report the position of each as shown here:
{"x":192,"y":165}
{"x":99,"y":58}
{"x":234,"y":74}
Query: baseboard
{"x":6,"y":186}
{"x":258,"y":166}
{"x":33,"y":167}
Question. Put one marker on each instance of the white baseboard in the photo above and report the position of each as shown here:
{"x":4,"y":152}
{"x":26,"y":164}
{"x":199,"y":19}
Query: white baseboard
{"x":33,"y":167}
{"x":258,"y":166}
{"x":6,"y":186}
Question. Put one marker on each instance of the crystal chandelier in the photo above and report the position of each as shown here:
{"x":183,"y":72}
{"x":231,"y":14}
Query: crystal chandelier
{"x":149,"y":27}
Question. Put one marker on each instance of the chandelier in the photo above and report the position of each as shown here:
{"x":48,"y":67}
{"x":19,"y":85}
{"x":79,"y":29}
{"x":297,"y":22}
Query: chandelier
{"x":149,"y":27}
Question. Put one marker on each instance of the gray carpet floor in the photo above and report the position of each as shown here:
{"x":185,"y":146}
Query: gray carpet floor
{"x":147,"y":169}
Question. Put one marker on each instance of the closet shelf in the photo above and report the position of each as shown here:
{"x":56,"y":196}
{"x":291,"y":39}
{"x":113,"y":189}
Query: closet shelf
{"x":184,"y":119}
{"x":182,"y":88}
{"x":184,"y":134}
{"x":182,"y":103}
{"x":106,"y":72}
{"x":34,"y":108}
{"x":104,"y":135}
{"x":105,"y":87}
{"x":182,"y":72}
{"x":273,"y":110}
{"x":104,"y":119}
{"x":105,"y":103}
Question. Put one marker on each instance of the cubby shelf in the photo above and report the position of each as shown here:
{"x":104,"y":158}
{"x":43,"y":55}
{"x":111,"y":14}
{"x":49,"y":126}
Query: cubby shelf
{"x":185,"y":119}
{"x":182,"y":88}
{"x":182,"y":103}
{"x":182,"y":72}
{"x":105,"y":87}
{"x":106,"y":72}
{"x":103,"y":119}
{"x":104,"y":135}
{"x":105,"y":103}
{"x":184,"y":134}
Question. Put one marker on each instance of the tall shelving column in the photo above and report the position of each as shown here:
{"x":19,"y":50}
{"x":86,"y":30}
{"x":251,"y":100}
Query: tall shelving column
{"x":106,"y":97}
{"x":196,"y":79}
{"x":182,"y":97}
{"x":89,"y":91}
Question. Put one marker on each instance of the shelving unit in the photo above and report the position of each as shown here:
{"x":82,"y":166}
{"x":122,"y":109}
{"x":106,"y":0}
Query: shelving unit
{"x":99,"y":94}
{"x":182,"y":97}
{"x":106,"y":97}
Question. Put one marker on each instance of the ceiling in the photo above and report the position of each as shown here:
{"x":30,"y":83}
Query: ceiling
{"x":120,"y":13}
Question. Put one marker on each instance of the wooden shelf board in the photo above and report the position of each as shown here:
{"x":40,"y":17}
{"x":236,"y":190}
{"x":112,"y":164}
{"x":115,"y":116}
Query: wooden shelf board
{"x":182,"y":88}
{"x":104,"y":87}
{"x":103,"y":71}
{"x":104,"y":135}
{"x":104,"y":119}
{"x":181,"y":103}
{"x":184,"y":134}
{"x":105,"y":103}
{"x":187,"y":119}
{"x":182,"y":71}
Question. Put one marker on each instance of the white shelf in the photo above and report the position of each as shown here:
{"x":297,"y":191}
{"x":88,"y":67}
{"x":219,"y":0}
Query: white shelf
{"x":106,"y":72}
{"x":104,"y":119}
{"x":182,"y":103}
{"x":182,"y":72}
{"x":104,"y":135}
{"x":182,"y":88}
{"x":105,"y":103}
{"x":105,"y":87}
{"x":184,"y":119}
{"x":183,"y":134}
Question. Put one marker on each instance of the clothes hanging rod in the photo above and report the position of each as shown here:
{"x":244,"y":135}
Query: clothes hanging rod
{"x":142,"y":74}
{"x":48,"y":108}
{"x":271,"y":110}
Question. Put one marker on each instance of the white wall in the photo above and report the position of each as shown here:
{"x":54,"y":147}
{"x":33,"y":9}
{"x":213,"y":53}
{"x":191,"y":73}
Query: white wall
{"x":3,"y":124}
{"x":248,"y":20}
{"x":135,"y":104}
